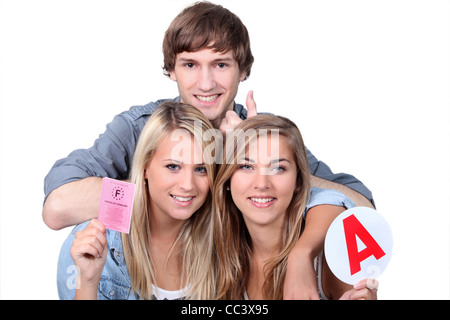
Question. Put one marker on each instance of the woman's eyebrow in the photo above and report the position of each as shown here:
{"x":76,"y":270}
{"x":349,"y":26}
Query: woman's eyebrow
{"x":279,"y":160}
{"x":181,"y":162}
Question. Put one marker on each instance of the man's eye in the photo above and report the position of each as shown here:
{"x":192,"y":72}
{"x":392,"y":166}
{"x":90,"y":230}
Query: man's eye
{"x":189,"y":65}
{"x":221,"y":65}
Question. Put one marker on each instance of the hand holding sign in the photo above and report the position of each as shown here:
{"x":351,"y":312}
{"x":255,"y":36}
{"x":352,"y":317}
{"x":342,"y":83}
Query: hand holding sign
{"x":116,"y":204}
{"x":358,"y":245}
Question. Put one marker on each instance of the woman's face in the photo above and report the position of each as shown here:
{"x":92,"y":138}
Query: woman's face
{"x":262,"y":187}
{"x":177,"y":179}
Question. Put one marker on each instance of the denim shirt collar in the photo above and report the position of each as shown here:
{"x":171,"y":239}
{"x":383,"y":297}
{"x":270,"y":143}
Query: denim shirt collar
{"x":240,"y":110}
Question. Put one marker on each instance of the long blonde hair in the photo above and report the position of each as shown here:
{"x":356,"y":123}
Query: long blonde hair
{"x":234,"y":246}
{"x":196,"y":236}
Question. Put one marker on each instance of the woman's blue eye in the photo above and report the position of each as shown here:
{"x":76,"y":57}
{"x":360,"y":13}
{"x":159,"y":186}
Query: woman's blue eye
{"x":201,"y":169}
{"x":245,"y":167}
{"x":172,"y":167}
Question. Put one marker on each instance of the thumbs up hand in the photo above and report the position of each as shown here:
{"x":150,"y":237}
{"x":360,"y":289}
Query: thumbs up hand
{"x":231,"y":119}
{"x":251,"y":105}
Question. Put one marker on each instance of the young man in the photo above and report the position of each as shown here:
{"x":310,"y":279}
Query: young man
{"x":207,"y":52}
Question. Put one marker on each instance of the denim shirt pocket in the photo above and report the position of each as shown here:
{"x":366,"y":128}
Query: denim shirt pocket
{"x":111,"y":289}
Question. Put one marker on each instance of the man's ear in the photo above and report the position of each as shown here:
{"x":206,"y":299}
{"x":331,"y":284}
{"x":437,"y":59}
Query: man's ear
{"x":242,"y":76}
{"x":172,"y":75}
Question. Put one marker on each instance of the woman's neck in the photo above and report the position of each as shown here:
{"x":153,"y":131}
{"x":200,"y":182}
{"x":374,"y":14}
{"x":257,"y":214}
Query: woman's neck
{"x":165,"y":253}
{"x":164,"y":228}
{"x":266,"y":240}
{"x":266,"y":244}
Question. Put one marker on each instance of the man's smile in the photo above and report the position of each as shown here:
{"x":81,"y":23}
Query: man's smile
{"x":210,"y":98}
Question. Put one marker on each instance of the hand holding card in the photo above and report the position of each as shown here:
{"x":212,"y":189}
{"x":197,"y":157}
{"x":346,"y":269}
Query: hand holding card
{"x":116,"y":204}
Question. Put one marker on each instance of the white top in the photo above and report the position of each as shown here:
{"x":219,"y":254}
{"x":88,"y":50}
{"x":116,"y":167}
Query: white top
{"x":162,"y":294}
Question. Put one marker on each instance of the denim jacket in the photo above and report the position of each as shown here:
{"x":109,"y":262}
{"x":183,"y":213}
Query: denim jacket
{"x":115,"y":281}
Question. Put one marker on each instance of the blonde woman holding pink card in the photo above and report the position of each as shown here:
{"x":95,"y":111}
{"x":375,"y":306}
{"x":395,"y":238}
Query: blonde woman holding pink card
{"x":168,"y":253}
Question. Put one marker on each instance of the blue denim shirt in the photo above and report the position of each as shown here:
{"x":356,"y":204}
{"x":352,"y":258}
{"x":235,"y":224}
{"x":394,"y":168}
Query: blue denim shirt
{"x":112,"y":154}
{"x":115,"y":281}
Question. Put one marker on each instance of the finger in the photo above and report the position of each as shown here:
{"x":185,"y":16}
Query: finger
{"x":363,"y":294}
{"x":371,"y":284}
{"x":233,"y":119}
{"x":365,"y":290}
{"x":99,"y":242}
{"x":99,"y":225}
{"x":223,"y":126}
{"x":81,"y":250}
{"x":97,"y":229}
{"x":92,"y":241}
{"x":251,"y":105}
{"x":93,"y":226}
{"x":94,"y":235}
{"x":230,"y":122}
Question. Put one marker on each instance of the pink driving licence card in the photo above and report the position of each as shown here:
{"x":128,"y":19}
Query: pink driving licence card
{"x":116,"y":204}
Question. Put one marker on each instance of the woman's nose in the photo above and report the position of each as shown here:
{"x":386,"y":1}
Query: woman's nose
{"x":262,"y":179}
{"x":186,"y":181}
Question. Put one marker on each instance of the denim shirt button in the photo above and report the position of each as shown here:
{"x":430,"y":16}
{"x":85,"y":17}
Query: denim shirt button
{"x":112,"y":293}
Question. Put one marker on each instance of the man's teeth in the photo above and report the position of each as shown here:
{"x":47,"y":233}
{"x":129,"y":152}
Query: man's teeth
{"x":262,"y":200}
{"x":207,"y":98}
{"x":181,"y":198}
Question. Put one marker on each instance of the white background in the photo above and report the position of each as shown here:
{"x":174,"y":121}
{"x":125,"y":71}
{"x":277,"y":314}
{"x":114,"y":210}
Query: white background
{"x":368,"y":83}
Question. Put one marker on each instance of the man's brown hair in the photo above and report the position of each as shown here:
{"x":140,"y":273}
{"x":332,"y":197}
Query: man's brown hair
{"x":207,"y":25}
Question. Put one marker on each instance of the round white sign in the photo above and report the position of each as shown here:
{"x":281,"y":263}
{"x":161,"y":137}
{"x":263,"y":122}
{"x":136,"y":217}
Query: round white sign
{"x":358,"y":245}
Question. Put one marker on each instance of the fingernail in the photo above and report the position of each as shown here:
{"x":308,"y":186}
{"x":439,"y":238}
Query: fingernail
{"x":359,"y":285}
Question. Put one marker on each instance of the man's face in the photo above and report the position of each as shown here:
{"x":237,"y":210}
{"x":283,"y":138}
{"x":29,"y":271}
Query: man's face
{"x":208,"y":80}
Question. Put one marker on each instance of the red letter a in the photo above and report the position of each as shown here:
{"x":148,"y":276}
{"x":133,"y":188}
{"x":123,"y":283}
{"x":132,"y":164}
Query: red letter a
{"x":353,"y":227}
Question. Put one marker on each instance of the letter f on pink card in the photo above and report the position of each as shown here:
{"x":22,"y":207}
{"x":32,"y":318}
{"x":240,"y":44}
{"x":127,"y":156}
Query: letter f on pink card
{"x":116,"y":204}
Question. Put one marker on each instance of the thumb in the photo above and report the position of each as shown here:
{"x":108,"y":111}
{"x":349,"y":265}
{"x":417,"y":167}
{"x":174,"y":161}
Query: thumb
{"x":251,"y":105}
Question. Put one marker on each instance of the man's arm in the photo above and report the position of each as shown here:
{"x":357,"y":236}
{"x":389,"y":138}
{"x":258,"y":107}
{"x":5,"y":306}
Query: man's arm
{"x":73,"y":185}
{"x":342,"y":182}
{"x":302,"y":285}
{"x":72,"y":203}
{"x":323,"y":207}
{"x":356,"y":197}
{"x":300,"y":280}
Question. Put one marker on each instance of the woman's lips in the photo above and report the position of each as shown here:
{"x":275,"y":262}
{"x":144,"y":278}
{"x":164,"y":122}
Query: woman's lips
{"x":262,"y":202}
{"x":183,"y":200}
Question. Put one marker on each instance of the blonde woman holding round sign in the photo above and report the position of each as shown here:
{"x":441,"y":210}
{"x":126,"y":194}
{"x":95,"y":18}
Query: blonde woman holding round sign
{"x":261,"y":192}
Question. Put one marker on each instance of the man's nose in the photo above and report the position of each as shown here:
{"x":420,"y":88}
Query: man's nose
{"x":206,"y":81}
